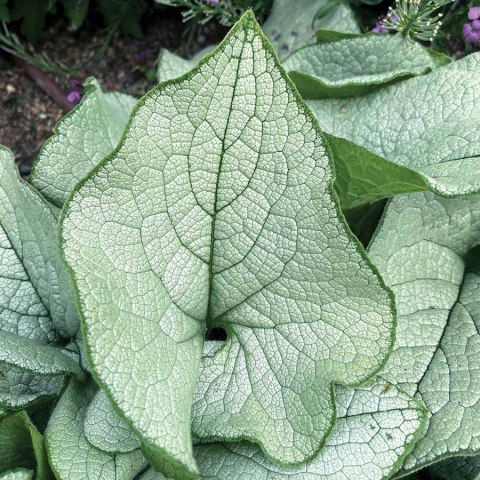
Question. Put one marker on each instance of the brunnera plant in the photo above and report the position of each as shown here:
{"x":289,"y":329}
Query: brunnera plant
{"x":213,"y":203}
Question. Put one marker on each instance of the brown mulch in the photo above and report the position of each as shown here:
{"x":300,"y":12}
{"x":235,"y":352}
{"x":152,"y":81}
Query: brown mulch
{"x":28,"y":114}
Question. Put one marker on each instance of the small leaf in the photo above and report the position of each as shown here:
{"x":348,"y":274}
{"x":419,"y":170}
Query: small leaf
{"x":20,"y":389}
{"x":81,"y":140}
{"x":21,"y":446}
{"x":355,"y":66}
{"x":290,"y":24}
{"x":34,"y":357}
{"x":428,"y":123}
{"x":105,"y":430}
{"x":221,"y":213}
{"x":71,"y":455}
{"x":363,"y":177}
{"x":422,"y":250}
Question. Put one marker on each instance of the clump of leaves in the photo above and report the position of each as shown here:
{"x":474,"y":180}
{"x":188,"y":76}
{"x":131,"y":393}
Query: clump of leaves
{"x":217,"y":203}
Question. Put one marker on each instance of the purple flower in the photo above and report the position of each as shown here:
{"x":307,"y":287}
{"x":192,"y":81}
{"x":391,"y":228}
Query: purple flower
{"x":471,"y":33}
{"x":74,"y":97}
{"x":379,"y":28}
{"x":212,"y":1}
{"x":474,"y":13}
{"x":75,"y":82}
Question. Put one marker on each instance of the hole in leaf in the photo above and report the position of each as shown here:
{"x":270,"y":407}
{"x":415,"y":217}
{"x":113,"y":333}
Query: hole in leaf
{"x":218,"y":334}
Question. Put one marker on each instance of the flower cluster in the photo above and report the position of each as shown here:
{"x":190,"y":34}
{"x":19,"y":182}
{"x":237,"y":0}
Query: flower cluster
{"x":471,"y":30}
{"x":418,"y":19}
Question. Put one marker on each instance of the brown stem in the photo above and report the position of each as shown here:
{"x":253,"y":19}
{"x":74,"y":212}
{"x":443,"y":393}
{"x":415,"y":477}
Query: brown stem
{"x":46,"y":83}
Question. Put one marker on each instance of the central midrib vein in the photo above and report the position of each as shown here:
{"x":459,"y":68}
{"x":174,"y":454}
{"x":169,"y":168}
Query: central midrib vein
{"x":209,"y":320}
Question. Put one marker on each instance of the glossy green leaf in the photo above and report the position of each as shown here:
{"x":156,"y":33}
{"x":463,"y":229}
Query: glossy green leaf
{"x":421,"y":250}
{"x":70,"y":453}
{"x":355,"y":66}
{"x":363,"y":177}
{"x":105,"y":430}
{"x":428,"y":123}
{"x":21,"y":446}
{"x":221,"y":213}
{"x":456,"y":468}
{"x":82,"y":138}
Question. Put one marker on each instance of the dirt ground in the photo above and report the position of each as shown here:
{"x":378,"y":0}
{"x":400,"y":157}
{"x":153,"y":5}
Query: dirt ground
{"x":28,"y":114}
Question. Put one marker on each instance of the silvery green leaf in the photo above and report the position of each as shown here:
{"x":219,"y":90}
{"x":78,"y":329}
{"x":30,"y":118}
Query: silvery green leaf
{"x":36,"y":299}
{"x":356,"y":65}
{"x":34,"y":357}
{"x":428,"y":123}
{"x":290,"y":25}
{"x":422,"y":250}
{"x":70,"y":453}
{"x":221,"y":213}
{"x":338,"y":18}
{"x":105,"y":430}
{"x":456,"y":468}
{"x":20,"y":389}
{"x":81,"y":140}
{"x":171,"y":66}
{"x":376,"y":427}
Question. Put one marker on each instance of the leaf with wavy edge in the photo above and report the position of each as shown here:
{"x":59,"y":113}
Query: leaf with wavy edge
{"x":428,"y":124}
{"x":220,"y":212}
{"x":421,"y":249}
{"x":376,"y":427}
{"x":82,"y":138}
{"x":105,"y":430}
{"x":356,"y":65}
{"x":71,"y":455}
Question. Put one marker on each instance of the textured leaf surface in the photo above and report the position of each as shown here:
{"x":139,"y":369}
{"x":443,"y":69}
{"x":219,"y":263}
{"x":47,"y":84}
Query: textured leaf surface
{"x":36,"y":299}
{"x":356,"y":65}
{"x":21,"y":446}
{"x":71,"y":456}
{"x":20,"y":389}
{"x":81,"y":140}
{"x":375,"y":429}
{"x":363,"y":177}
{"x":338,"y":18}
{"x":421,"y":249}
{"x":105,"y":430}
{"x":34,"y":357}
{"x":290,"y":25}
{"x":428,"y":123}
{"x":220,"y":212}
{"x":456,"y":468}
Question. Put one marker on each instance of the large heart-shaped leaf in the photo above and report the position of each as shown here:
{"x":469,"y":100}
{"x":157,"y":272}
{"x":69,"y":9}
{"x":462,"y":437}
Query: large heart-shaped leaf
{"x":217,"y":210}
{"x":356,"y":65}
{"x":421,"y":249}
{"x":428,"y":123}
{"x":82,"y":138}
